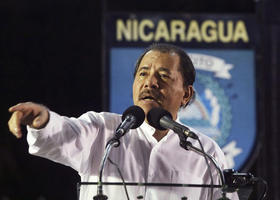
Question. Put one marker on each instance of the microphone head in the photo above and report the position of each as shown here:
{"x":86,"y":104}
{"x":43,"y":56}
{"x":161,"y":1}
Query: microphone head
{"x":154,"y":116}
{"x":137,"y":112}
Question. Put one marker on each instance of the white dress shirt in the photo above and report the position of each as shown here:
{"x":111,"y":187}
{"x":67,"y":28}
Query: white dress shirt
{"x":80,"y":144}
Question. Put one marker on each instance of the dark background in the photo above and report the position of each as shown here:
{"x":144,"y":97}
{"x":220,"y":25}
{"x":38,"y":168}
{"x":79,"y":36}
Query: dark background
{"x":51,"y":53}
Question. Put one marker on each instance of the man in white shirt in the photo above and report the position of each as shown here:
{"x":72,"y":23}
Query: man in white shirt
{"x":163,"y":77}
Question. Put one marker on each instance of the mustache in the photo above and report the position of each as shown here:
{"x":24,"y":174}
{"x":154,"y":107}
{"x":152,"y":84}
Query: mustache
{"x":151,"y":93}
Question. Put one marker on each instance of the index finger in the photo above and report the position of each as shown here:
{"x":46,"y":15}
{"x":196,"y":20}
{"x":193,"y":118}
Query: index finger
{"x":20,"y":106}
{"x":15,"y":107}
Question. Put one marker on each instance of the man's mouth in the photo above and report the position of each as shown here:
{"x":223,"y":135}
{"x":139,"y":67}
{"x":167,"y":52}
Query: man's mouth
{"x":147,"y":96}
{"x":150,"y":98}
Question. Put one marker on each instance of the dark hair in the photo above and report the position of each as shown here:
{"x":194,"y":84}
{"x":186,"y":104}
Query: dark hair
{"x":186,"y":65}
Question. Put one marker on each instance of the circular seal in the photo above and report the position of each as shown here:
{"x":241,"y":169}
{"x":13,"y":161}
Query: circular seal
{"x":210,"y":112}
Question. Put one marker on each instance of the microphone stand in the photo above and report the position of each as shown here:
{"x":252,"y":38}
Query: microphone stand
{"x":113,"y":142}
{"x":132,"y":118}
{"x":188,"y":146}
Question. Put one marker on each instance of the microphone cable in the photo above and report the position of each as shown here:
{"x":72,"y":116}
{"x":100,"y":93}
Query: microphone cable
{"x":120,"y":174}
{"x":263,"y":196}
{"x":209,"y":169}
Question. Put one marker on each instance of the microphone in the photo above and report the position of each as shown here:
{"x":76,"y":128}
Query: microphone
{"x":162,"y":120}
{"x":132,"y":118}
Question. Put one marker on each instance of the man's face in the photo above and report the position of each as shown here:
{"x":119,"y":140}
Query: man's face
{"x":159,"y":83}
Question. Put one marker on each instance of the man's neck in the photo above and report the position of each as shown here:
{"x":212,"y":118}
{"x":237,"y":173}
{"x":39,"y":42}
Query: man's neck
{"x":159,"y":134}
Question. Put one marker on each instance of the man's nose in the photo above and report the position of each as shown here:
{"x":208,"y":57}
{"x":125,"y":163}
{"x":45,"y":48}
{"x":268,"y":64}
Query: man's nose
{"x":151,"y":82}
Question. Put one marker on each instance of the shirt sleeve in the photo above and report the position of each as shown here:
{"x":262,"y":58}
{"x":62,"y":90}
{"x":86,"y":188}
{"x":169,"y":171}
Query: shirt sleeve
{"x":70,"y":141}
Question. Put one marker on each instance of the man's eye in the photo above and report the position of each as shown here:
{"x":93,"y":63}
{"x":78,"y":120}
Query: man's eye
{"x":164,"y":75}
{"x":142,"y":73}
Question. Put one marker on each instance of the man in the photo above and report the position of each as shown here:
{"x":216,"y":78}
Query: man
{"x":163,"y":77}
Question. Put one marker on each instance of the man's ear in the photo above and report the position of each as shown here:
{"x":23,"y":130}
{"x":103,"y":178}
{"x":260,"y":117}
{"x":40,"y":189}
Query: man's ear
{"x":188,"y":95}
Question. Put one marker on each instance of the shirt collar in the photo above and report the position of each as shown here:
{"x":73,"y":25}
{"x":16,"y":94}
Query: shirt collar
{"x":147,"y":128}
{"x":149,"y":131}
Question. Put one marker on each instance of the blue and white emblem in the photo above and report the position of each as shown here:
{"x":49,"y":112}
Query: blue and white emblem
{"x":213,"y":111}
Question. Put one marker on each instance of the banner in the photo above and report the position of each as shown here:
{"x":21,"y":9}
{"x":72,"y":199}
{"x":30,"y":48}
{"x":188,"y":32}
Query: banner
{"x":222,"y":50}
